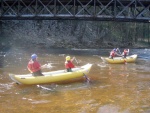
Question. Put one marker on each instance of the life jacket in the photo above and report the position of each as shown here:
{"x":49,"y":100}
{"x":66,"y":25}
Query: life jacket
{"x":112,"y":53}
{"x":69,"y":65}
{"x":34,"y":66}
{"x":125,"y":52}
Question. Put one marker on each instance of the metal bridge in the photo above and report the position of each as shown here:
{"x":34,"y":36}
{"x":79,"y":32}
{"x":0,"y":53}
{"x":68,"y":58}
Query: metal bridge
{"x":103,"y":10}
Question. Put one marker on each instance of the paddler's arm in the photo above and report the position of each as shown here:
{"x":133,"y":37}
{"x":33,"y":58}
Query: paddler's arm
{"x":29,"y":70}
{"x":72,"y":59}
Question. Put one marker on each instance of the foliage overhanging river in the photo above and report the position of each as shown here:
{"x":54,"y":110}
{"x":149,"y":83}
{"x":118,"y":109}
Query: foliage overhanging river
{"x":114,"y":88}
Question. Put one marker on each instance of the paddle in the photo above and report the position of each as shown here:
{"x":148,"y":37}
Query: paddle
{"x":119,"y":51}
{"x":86,"y":77}
{"x":125,"y":62}
{"x":76,"y":60}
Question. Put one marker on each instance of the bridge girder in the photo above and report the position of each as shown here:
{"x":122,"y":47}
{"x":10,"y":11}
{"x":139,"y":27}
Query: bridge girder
{"x":103,"y":10}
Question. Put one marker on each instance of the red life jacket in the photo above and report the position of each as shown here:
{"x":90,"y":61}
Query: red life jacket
{"x":112,"y":53}
{"x":69,"y":64}
{"x":125,"y":52}
{"x":34,"y":66}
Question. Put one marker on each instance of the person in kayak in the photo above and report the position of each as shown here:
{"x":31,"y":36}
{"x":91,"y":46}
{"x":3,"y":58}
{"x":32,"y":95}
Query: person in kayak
{"x":113,"y":53}
{"x":125,"y":53}
{"x":69,"y":63}
{"x":34,"y":66}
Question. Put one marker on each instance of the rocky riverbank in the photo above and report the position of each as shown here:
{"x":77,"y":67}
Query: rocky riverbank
{"x":61,"y":34}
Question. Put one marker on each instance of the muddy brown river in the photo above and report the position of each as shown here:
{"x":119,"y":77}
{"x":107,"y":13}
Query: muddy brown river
{"x":114,"y":88}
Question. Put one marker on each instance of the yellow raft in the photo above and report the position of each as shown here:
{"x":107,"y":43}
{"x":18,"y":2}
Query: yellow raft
{"x":51,"y":77}
{"x":121,"y":60}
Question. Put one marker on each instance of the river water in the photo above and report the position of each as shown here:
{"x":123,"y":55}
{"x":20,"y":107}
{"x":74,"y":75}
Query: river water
{"x":114,"y":88}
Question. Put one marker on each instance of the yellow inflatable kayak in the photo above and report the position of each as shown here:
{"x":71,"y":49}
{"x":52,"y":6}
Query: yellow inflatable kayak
{"x":121,"y":60}
{"x":51,"y":77}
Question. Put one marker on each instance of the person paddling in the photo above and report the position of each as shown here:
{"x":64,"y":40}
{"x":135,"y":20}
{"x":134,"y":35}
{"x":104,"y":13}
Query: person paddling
{"x":125,"y":53}
{"x":69,"y":63}
{"x":34,"y":66}
{"x":113,"y":53}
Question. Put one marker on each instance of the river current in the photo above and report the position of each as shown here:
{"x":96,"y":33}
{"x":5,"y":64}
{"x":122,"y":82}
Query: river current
{"x":114,"y":88}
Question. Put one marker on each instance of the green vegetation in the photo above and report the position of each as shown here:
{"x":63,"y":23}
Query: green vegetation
{"x":74,"y":34}
{"x":122,"y":34}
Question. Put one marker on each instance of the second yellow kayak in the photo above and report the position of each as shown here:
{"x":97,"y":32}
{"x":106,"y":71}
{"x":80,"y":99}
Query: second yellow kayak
{"x":120,"y":60}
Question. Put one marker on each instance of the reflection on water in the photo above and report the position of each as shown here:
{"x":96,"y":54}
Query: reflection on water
{"x":114,"y":88}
